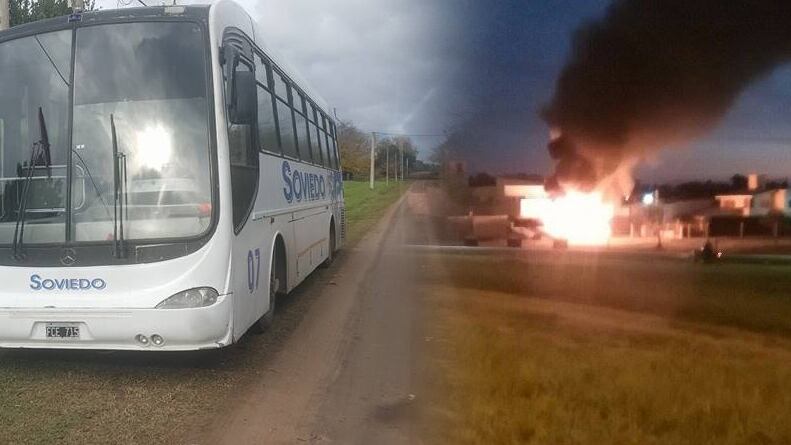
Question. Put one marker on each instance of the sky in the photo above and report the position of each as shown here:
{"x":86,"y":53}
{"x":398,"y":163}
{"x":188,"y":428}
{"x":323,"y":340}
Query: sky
{"x":388,"y":66}
{"x":485,"y":69}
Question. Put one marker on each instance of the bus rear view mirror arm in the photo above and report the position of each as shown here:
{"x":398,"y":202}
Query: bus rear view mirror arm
{"x":240,"y":92}
{"x":243,"y":102}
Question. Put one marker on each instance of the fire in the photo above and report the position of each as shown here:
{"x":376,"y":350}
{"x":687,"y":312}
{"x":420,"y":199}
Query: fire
{"x":578,"y":217}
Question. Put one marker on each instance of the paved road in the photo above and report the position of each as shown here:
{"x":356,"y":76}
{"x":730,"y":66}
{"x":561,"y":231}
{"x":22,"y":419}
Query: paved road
{"x":349,"y":373}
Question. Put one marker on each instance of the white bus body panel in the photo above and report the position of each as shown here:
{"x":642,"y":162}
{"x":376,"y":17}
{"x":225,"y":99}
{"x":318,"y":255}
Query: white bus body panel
{"x":111,"y":314}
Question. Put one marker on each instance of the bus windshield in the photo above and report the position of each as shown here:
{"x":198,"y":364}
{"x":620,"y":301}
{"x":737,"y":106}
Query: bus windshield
{"x":34,"y":74}
{"x":149,"y":78}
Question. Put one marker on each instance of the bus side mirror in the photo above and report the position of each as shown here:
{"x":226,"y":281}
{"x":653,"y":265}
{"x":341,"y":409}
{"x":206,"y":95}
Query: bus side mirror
{"x":244,"y":102}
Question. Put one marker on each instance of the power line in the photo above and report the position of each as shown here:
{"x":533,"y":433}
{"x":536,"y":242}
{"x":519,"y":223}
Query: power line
{"x":416,"y":135}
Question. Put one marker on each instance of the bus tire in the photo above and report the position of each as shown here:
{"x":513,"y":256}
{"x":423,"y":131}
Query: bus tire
{"x":331,"y":250}
{"x":265,"y":322}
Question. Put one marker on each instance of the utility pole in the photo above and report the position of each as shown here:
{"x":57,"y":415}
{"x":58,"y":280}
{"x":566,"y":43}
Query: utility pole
{"x":402,"y":162}
{"x":395,"y":163}
{"x":400,"y":150}
{"x":5,"y":15}
{"x":373,"y":146}
{"x":387,"y":163}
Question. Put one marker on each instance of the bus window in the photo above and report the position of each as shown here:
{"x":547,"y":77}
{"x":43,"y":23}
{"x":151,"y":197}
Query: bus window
{"x":311,"y":112}
{"x":302,"y":137}
{"x":335,"y":163}
{"x":326,"y":142}
{"x":286,"y":122}
{"x":299,"y":102}
{"x":333,"y":151}
{"x":314,"y":144}
{"x":328,"y":148}
{"x":281,"y":88}
{"x":267,"y":130}
{"x":261,"y":69}
{"x":322,"y":147}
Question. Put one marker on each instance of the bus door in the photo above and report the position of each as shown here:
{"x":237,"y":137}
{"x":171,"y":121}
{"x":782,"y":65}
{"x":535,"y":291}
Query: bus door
{"x":250,"y":257}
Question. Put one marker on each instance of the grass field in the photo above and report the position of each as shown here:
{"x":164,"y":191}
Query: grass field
{"x":68,"y":397}
{"x":584,"y":350}
{"x":364,"y":206}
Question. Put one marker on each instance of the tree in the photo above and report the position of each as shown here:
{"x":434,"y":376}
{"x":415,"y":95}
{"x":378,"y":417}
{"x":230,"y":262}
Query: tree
{"x":397,"y":146}
{"x":355,"y":147}
{"x":776,"y":184}
{"x":739,"y":182}
{"x":26,"y":11}
{"x":482,"y":179}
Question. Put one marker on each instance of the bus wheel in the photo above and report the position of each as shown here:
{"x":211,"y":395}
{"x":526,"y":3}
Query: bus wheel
{"x":331,"y":253}
{"x":274,"y":286}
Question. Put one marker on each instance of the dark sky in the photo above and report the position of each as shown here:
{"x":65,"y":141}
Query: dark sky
{"x":519,"y":47}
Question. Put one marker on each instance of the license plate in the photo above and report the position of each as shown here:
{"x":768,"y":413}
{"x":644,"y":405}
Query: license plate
{"x":62,"y":331}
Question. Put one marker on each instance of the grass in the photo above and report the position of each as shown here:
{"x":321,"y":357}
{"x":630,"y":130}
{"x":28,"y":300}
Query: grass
{"x":76,"y":397}
{"x":61,"y":399}
{"x":590,"y":350}
{"x":364,"y":207}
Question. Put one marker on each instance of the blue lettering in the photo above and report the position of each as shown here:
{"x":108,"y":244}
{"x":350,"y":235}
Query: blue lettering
{"x":308,"y":186}
{"x":35,"y":282}
{"x":298,"y":190}
{"x":288,"y":190}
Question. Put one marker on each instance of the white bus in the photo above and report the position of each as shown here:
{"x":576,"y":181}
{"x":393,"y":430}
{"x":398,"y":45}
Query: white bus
{"x":163,"y":179}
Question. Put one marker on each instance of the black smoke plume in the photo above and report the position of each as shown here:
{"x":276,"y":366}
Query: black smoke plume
{"x":657,"y":72}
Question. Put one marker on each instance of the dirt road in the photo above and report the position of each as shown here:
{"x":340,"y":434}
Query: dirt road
{"x":349,"y":372}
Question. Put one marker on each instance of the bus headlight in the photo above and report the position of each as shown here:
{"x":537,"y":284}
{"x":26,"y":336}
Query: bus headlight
{"x":192,"y":298}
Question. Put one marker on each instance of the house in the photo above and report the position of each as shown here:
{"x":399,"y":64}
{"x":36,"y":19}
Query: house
{"x":738,"y":204}
{"x":771,"y":202}
{"x":754,"y":201}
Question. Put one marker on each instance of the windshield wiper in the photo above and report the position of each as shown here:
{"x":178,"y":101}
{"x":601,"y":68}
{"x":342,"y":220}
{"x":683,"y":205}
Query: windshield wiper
{"x":93,"y":181}
{"x":39,"y":153}
{"x":119,"y":194}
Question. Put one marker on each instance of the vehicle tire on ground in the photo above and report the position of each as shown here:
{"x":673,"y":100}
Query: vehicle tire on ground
{"x":331,"y":251}
{"x":266,"y":320}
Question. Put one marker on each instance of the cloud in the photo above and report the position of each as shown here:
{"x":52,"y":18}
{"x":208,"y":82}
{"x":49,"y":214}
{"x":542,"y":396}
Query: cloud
{"x":387,"y":65}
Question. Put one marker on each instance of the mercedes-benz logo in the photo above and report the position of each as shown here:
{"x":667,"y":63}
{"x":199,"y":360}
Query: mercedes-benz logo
{"x":69,"y":257}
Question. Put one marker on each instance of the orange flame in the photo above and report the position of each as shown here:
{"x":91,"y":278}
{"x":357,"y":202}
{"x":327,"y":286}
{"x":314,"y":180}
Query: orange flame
{"x":577,"y":217}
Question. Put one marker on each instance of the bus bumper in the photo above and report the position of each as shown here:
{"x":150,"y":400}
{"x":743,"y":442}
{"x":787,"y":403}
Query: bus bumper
{"x":119,"y":329}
